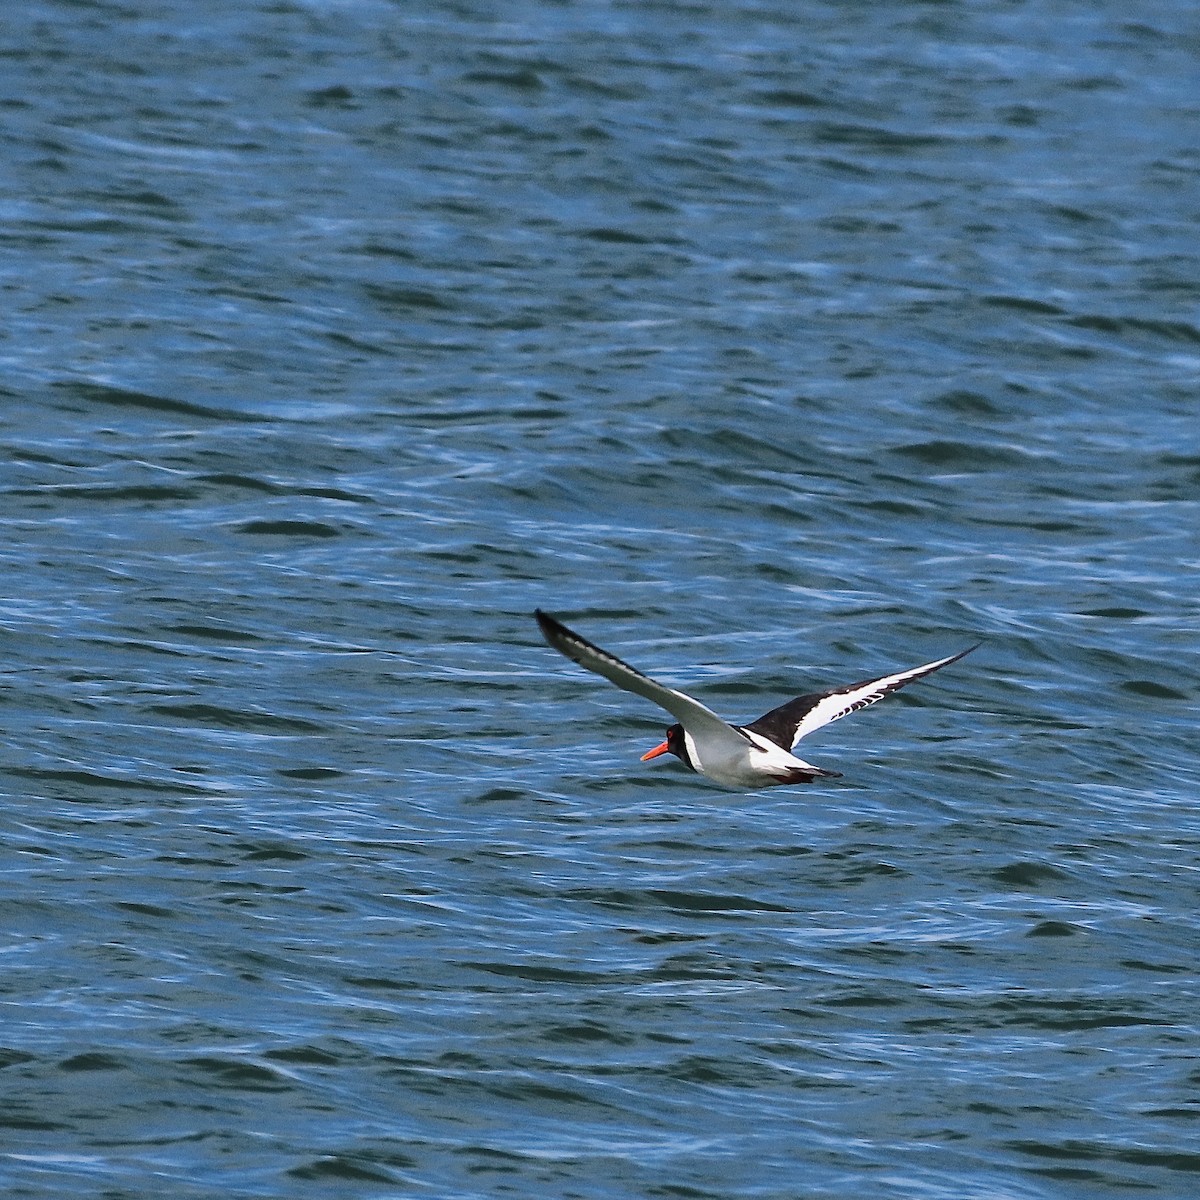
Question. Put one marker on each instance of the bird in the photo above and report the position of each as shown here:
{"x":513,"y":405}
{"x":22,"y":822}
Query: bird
{"x":756,"y":755}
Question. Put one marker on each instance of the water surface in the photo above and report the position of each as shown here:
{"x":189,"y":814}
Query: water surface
{"x":772,"y":346}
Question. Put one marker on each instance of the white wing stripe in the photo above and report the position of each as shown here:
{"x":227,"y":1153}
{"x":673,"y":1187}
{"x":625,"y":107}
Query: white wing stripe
{"x":844,"y":701}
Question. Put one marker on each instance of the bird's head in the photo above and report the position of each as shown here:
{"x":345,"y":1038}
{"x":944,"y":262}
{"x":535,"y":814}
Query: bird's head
{"x":673,"y":745}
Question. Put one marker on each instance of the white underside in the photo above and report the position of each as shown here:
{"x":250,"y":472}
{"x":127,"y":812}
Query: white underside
{"x":752,"y":764}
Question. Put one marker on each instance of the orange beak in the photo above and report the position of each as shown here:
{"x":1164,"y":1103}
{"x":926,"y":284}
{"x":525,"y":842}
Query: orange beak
{"x":656,"y":752}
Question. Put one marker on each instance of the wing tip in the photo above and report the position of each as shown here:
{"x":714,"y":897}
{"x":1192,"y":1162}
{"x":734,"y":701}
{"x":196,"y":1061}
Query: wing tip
{"x":558,"y":637}
{"x":963,"y":653}
{"x":547,"y":624}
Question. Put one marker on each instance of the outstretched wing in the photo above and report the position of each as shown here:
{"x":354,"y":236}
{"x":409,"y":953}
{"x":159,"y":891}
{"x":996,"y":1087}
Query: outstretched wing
{"x":788,"y":723}
{"x":699,"y":721}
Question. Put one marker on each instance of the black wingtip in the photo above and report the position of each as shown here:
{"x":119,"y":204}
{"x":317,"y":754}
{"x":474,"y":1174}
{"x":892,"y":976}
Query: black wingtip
{"x":553,"y":631}
{"x":961,"y":654}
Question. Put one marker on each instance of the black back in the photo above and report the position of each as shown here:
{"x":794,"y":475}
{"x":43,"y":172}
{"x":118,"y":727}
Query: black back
{"x":779,"y":725}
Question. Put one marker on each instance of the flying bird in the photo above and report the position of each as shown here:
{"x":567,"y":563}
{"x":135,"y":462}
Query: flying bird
{"x":737,"y":756}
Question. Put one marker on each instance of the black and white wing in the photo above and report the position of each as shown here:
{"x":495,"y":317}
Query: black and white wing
{"x":699,"y":721}
{"x":788,"y":723}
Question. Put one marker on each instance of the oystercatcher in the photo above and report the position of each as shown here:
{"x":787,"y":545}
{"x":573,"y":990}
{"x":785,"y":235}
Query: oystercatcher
{"x":738,"y":756}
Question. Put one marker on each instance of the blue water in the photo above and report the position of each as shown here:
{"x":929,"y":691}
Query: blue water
{"x":770,"y":345}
